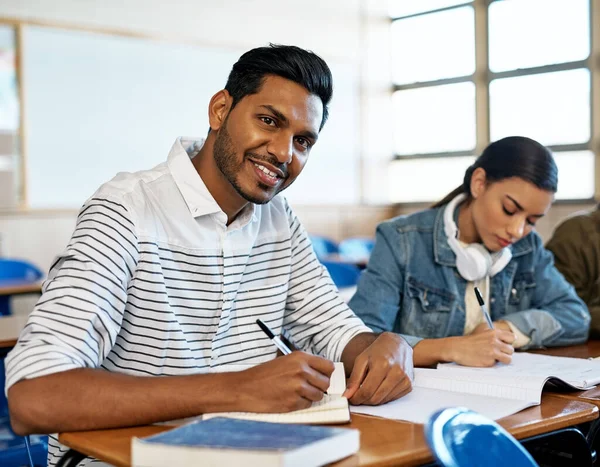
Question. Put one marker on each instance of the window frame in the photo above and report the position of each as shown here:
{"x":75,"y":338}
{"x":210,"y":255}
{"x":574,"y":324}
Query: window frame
{"x":483,"y":76}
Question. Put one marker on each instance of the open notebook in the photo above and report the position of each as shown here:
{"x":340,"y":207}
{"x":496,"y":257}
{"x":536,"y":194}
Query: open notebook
{"x":333,"y":408}
{"x":495,"y":392}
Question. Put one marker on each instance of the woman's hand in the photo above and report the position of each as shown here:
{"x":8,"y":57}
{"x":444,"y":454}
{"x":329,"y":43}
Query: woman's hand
{"x":483,"y":347}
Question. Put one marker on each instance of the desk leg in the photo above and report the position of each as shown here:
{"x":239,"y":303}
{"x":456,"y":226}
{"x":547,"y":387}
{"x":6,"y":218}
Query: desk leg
{"x":70,"y":459}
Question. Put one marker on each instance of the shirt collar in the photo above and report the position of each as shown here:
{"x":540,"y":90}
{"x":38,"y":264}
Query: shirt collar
{"x":199,"y":200}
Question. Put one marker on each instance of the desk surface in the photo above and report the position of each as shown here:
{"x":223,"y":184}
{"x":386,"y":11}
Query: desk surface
{"x":10,"y":328}
{"x":382,"y":443}
{"x":19,"y":287}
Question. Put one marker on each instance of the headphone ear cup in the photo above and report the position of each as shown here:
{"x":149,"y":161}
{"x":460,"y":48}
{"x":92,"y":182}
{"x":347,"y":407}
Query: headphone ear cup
{"x":473,"y":262}
{"x":500,"y":262}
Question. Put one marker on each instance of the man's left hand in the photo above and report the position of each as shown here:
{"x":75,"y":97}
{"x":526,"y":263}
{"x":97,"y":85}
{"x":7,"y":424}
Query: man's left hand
{"x":382,"y":372}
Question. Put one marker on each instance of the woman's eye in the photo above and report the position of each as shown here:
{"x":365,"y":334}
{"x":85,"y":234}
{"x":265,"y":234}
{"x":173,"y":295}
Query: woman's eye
{"x":507,"y":212}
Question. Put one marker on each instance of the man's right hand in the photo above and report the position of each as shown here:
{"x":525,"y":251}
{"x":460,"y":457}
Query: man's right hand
{"x":287,"y":383}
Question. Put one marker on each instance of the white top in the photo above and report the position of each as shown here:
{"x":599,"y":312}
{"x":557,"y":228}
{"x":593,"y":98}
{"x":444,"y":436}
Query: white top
{"x":153,"y":282}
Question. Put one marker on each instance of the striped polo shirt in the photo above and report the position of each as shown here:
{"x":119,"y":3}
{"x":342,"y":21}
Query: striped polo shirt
{"x":154,"y":282}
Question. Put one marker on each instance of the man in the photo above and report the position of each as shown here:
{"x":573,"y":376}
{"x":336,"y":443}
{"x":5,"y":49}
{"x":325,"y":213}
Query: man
{"x":168,"y":270}
{"x":576,"y":248}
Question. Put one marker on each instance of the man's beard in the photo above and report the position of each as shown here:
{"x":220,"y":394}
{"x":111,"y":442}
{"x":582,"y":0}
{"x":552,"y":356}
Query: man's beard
{"x":226,"y":160}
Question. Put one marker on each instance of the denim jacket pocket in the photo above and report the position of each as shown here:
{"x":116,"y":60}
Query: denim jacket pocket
{"x":520,"y":294}
{"x":430,"y":309}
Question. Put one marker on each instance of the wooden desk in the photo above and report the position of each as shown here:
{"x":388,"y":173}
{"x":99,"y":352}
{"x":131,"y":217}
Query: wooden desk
{"x":382,"y":442}
{"x":10,"y":328}
{"x":19,"y":287}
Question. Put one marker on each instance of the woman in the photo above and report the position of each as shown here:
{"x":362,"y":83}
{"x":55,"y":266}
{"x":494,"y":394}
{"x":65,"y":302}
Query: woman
{"x":424,"y":268}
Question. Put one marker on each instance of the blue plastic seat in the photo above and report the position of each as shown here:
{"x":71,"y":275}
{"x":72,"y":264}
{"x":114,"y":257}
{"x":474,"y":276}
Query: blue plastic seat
{"x":12,"y":270}
{"x":357,"y":248}
{"x":342,"y":274}
{"x":323,"y":246}
{"x":459,"y":437}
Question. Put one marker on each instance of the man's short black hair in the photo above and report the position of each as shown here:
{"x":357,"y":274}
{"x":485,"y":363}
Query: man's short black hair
{"x":290,"y":62}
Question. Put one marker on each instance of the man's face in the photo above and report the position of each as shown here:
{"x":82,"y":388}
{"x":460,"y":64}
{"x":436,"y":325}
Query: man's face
{"x":265,"y":140}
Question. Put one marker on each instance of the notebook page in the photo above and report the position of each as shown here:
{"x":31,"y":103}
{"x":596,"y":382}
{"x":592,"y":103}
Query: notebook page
{"x":474,"y":383}
{"x":337,"y":382}
{"x":577,"y":372}
{"x":331,"y":409}
{"x":421,"y":403}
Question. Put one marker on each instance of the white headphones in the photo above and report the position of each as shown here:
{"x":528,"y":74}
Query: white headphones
{"x":474,"y":261}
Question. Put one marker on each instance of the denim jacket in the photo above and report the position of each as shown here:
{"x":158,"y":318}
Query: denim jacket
{"x":412,"y":287}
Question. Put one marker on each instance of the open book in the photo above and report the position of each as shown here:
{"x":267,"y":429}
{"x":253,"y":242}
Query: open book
{"x":495,"y":392}
{"x":333,"y":408}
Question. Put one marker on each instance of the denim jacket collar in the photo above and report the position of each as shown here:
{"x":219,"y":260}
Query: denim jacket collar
{"x":443,"y":253}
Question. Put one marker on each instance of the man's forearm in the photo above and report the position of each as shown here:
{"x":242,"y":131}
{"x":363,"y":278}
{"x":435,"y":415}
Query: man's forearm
{"x":353,"y":349}
{"x":87,"y":399}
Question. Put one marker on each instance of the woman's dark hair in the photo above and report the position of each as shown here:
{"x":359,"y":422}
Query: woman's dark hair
{"x":288,"y":61}
{"x":514,"y":156}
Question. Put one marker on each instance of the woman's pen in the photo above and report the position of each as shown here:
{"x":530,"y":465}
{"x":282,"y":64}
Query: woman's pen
{"x":483,"y":308}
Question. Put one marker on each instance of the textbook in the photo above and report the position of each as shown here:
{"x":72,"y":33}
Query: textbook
{"x":228,"y":442}
{"x":333,"y":408}
{"x":495,"y":392}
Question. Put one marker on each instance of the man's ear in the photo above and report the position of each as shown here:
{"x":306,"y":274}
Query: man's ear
{"x":218,"y":109}
{"x":478,"y":182}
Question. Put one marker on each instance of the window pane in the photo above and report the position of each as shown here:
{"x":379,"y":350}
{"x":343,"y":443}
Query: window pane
{"x":434,"y":119}
{"x":398,"y":8}
{"x":553,"y":108}
{"x":429,"y":47}
{"x":529,"y":33}
{"x":414,"y":180}
{"x":575,"y":174}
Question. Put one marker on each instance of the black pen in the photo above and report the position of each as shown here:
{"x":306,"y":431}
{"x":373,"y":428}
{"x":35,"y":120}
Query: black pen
{"x":483,"y":308}
{"x":275,"y":339}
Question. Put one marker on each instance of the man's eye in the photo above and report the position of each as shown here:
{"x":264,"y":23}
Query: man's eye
{"x":268,"y":120}
{"x":303,"y":142}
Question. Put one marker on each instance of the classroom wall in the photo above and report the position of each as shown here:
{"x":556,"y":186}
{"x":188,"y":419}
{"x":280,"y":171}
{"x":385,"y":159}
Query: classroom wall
{"x":351,"y":31}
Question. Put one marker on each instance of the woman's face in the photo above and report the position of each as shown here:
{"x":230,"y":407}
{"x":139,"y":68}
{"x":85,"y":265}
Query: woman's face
{"x":505,"y":211}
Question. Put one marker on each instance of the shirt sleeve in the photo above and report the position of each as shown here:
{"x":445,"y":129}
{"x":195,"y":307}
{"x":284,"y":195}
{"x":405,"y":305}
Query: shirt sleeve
{"x":316,"y":317}
{"x":78,"y":316}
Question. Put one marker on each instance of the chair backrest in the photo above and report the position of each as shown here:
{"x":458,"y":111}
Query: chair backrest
{"x":357,"y":248}
{"x":342,"y":274}
{"x":18,"y":270}
{"x":323,"y":246}
{"x":459,"y":437}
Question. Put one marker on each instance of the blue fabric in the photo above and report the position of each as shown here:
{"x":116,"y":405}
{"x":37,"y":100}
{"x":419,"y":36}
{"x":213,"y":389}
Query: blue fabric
{"x":459,"y":437}
{"x":412,"y":287}
{"x":323,"y":246}
{"x":342,"y":274}
{"x":15,"y":270}
{"x":356,"y":248}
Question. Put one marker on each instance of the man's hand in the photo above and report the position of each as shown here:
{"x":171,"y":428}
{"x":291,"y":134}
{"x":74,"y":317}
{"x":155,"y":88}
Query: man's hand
{"x":382,"y":372}
{"x":291,"y":382}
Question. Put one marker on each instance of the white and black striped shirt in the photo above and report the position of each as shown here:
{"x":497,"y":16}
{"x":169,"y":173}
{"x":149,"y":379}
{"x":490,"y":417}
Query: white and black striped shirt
{"x":153,"y":282}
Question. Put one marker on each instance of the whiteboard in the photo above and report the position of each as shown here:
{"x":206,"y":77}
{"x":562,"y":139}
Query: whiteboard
{"x":98,"y":104}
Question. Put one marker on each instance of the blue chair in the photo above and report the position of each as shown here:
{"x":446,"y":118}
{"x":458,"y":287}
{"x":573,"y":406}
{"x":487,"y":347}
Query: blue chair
{"x":459,"y":437}
{"x":323,"y":246}
{"x":357,"y":248}
{"x":342,"y":274}
{"x":12,"y":270}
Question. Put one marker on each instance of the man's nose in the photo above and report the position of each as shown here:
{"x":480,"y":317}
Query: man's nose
{"x":281,"y":146}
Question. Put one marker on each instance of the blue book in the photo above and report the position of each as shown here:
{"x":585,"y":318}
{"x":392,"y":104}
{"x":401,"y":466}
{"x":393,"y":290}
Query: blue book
{"x":231,"y":442}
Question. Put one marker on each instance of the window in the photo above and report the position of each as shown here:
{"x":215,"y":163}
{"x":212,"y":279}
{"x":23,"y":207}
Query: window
{"x":468,"y":73}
